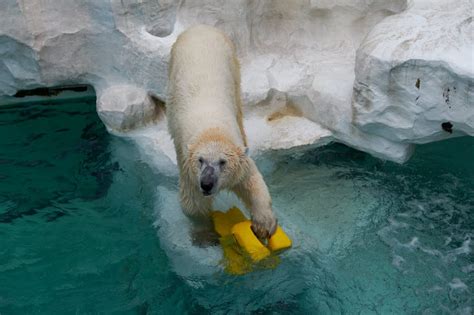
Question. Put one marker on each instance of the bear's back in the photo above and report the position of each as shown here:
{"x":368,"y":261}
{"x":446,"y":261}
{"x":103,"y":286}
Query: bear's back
{"x":204,"y":80}
{"x":200,"y":57}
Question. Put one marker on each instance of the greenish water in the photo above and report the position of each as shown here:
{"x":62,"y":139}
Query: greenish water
{"x":88,"y":226}
{"x":76,"y":232}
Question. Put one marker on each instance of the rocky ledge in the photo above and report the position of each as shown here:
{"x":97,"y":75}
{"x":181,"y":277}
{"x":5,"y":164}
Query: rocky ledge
{"x":377,"y":75}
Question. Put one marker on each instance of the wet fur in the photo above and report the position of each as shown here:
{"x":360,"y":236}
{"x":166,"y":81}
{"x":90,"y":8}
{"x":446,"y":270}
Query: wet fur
{"x":205,"y":115}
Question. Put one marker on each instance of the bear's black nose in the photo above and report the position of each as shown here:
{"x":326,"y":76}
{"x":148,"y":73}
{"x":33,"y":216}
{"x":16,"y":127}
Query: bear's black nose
{"x":206,"y":186}
{"x":207,"y":180}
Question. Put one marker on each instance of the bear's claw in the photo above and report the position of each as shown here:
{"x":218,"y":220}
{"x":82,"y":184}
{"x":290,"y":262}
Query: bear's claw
{"x":264,"y":230}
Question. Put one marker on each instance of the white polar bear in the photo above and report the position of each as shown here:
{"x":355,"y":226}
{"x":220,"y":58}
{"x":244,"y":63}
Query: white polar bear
{"x":205,"y":121}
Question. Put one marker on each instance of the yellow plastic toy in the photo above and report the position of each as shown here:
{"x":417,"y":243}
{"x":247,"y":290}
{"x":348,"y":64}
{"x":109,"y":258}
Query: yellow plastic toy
{"x":242,"y":249}
{"x":249,"y":242}
{"x":279,"y":241}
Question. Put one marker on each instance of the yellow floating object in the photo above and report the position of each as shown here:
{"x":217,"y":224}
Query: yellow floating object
{"x":235,"y":262}
{"x":249,"y":242}
{"x":279,"y":240}
{"x":224,"y":221}
{"x":242,"y":249}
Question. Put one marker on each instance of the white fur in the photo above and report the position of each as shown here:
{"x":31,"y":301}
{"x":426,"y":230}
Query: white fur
{"x":205,"y":118}
{"x":202,"y":85}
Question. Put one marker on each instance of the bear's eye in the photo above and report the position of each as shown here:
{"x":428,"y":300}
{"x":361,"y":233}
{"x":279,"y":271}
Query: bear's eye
{"x":201,"y":160}
{"x":222,"y":163}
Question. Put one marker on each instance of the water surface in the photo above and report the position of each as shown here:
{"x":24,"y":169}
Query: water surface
{"x":87,"y":226}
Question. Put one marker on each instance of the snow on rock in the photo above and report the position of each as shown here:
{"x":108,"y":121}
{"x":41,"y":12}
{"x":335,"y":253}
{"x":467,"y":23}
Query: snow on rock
{"x":415,"y":74}
{"x":298,"y":60}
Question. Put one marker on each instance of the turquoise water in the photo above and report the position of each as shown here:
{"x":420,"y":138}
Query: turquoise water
{"x":88,"y":226}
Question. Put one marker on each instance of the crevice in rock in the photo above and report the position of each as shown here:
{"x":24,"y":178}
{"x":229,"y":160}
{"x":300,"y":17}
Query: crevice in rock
{"x":50,"y":94}
{"x":50,"y":91}
{"x":447,"y":126}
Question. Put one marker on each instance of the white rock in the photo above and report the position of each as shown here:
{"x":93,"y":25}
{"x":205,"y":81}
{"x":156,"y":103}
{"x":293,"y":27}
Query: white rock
{"x":304,"y":50}
{"x":415,"y":71}
{"x":275,"y":123}
{"x":122,"y":107}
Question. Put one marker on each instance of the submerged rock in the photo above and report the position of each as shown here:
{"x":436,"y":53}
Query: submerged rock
{"x":297,"y":59}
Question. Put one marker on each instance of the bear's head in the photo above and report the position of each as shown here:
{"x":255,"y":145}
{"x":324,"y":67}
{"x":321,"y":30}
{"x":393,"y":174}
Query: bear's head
{"x":216,"y":163}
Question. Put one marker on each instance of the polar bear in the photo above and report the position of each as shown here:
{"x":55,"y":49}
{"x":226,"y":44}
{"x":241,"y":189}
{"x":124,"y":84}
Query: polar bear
{"x":205,"y":121}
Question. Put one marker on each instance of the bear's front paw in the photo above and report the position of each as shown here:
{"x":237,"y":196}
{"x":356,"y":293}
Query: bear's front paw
{"x":264,"y":226}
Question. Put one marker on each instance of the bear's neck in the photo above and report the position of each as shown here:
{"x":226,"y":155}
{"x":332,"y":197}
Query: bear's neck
{"x":214,"y":134}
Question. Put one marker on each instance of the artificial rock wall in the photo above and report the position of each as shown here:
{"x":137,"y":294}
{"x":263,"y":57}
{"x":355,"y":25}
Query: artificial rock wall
{"x":377,"y":75}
